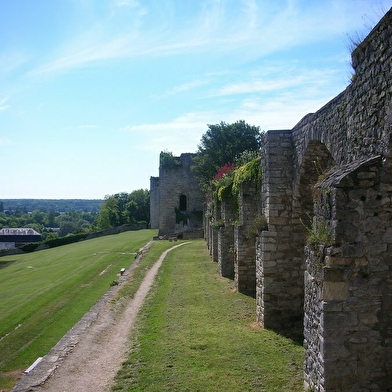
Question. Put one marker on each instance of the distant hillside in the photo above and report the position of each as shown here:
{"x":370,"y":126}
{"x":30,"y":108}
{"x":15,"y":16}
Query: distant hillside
{"x":46,"y":205}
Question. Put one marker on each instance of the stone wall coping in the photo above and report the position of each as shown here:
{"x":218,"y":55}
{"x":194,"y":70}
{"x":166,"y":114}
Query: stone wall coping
{"x":337,"y":176}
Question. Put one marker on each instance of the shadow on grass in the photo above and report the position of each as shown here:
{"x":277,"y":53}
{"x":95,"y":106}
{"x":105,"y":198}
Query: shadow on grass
{"x":294,"y":334}
{"x":296,"y":337}
{"x":4,"y":264}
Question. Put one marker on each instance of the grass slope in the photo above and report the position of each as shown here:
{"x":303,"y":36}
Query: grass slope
{"x":43,"y":294}
{"x":196,"y":333}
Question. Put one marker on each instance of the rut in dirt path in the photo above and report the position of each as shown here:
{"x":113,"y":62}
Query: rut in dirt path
{"x":94,"y":359}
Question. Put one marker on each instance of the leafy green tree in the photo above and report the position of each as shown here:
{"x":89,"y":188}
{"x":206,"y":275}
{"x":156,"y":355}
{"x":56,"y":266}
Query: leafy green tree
{"x":124,"y":208}
{"x":50,"y":221}
{"x":49,"y":235}
{"x":3,"y":220}
{"x":66,"y":227}
{"x":82,"y":225}
{"x":221,"y":144}
{"x":39,"y":217}
{"x":131,"y":209}
{"x":103,"y":219}
{"x":141,"y":198}
{"x":122,"y":200}
{"x":37,"y":227}
{"x":111,"y":204}
{"x":68,"y":222}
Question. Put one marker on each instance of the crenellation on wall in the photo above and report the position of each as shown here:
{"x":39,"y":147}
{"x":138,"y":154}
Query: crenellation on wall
{"x":357,"y":122}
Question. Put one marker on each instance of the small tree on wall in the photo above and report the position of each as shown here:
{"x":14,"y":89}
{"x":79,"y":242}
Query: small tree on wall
{"x":168,"y":160}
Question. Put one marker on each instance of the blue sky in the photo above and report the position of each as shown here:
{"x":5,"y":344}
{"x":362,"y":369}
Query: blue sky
{"x":92,"y":90}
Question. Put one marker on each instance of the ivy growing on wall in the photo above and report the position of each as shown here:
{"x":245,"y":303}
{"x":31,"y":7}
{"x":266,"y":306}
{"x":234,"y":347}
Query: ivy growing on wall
{"x":229,"y":179}
{"x":251,"y":172}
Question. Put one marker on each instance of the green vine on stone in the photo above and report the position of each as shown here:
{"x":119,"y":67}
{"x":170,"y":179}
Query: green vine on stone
{"x":228,"y":185}
{"x":250,"y":171}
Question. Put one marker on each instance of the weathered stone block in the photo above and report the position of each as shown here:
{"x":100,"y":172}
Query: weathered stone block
{"x":338,"y":261}
{"x":335,"y":291}
{"x":330,"y":348}
{"x":336,"y":274}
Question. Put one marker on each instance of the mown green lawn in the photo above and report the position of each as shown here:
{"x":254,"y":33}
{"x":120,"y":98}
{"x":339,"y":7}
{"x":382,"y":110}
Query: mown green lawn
{"x":195,"y":333}
{"x":43,"y":294}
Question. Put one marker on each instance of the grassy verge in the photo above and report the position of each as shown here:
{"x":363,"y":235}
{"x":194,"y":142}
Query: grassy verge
{"x":43,"y":294}
{"x":195,"y":333}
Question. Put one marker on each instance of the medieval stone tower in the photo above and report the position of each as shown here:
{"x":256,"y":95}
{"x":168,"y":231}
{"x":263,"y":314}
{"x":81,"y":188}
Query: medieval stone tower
{"x":176,"y":200}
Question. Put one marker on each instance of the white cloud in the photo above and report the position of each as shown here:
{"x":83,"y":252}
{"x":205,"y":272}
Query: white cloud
{"x":182,"y":134}
{"x":188,"y":121}
{"x":183,"y":88}
{"x":211,"y":27}
{"x":271,"y":80}
{"x":11,"y":60}
{"x":280,"y":113}
{"x":87,"y":54}
{"x":3,"y":106}
{"x":257,"y":86}
{"x":287,"y":101}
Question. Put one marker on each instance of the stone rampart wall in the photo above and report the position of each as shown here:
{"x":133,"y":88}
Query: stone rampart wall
{"x":348,"y":300}
{"x":323,"y":266}
{"x":347,"y":312}
{"x":357,"y":123}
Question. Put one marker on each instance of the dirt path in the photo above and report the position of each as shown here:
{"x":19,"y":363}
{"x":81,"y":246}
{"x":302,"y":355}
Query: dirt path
{"x":93,"y":358}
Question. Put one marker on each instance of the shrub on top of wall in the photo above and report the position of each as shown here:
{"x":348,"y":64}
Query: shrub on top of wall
{"x":229,"y":179}
{"x":168,"y":160}
{"x":250,"y":171}
{"x":223,"y":181}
